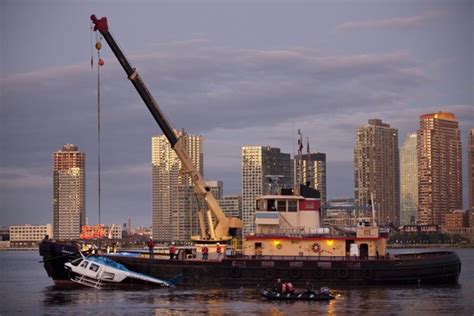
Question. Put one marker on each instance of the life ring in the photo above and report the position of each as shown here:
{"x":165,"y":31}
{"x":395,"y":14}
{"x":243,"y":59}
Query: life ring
{"x":270,"y":274}
{"x":236,"y":272}
{"x":295,"y":273}
{"x":343,"y":273}
{"x":316,"y":248}
{"x":368,"y":274}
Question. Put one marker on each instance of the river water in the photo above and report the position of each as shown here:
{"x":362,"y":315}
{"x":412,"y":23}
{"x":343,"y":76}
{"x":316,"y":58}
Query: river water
{"x":26,"y":289}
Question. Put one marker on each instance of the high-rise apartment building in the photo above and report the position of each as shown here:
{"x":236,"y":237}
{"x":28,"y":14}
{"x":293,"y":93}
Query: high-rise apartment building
{"x":470,"y":169}
{"x":314,"y":172}
{"x":231,"y":205}
{"x":408,"y":181}
{"x":174,"y":204}
{"x":470,"y":180}
{"x":69,"y":175}
{"x":439,"y":167}
{"x":376,"y":170}
{"x":257,"y":163}
{"x":216,"y":187}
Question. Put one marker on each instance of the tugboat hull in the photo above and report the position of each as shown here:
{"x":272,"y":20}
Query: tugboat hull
{"x":442,"y":267}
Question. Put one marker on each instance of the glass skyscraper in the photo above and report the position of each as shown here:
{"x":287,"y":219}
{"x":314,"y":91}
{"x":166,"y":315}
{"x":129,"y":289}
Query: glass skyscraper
{"x":408,"y":181}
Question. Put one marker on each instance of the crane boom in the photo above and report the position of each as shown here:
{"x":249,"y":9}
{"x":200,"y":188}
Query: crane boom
{"x":218,"y":231}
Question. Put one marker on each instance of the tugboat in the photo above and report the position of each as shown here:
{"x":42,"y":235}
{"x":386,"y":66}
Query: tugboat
{"x":288,"y":242}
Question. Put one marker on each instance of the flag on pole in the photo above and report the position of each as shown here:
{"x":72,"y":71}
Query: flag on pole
{"x":300,"y":142}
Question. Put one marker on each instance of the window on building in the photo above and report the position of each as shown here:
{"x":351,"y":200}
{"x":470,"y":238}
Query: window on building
{"x":271,"y":205}
{"x":292,"y":206}
{"x":281,"y":206}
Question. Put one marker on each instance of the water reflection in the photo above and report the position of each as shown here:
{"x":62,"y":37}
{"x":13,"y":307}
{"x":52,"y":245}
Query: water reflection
{"x":225,"y":301}
{"x":27,"y":290}
{"x":54,"y":296}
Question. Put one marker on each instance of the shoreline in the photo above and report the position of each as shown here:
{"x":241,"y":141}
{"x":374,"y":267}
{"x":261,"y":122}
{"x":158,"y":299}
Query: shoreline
{"x":389,"y":246}
{"x":19,"y":249}
{"x":407,"y":246}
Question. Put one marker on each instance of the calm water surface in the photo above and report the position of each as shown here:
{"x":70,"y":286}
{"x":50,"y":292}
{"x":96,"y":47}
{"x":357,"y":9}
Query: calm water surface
{"x":27,"y":290}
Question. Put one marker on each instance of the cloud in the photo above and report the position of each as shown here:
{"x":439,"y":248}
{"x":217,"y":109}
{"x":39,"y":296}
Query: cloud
{"x":394,"y":23}
{"x":231,"y":88}
{"x":12,"y":178}
{"x":235,"y":89}
{"x":49,"y":73}
{"x":200,"y":87}
{"x":233,"y":97}
{"x":142,"y":169}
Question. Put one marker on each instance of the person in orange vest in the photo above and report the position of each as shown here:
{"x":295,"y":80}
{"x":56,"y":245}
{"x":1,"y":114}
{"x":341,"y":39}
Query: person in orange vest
{"x":173,"y":251}
{"x":205,"y":252}
{"x":218,"y":251}
{"x":151,"y":245}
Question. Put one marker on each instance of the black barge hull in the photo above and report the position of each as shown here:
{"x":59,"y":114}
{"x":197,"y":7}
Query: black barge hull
{"x":441,"y":267}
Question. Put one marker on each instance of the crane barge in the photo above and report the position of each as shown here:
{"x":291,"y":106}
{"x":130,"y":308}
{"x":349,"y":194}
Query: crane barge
{"x":288,"y":242}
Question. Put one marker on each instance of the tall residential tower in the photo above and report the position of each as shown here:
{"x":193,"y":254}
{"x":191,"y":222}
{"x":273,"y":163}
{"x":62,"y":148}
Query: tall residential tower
{"x":69,"y":175}
{"x":174,"y":204}
{"x":376,"y":170}
{"x":439,"y":167}
{"x":408,"y":181}
{"x":470,"y":180}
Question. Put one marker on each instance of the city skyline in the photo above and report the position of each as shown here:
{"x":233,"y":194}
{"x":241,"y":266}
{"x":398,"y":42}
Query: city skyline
{"x":238,"y":74}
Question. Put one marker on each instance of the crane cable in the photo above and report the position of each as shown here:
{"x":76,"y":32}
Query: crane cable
{"x":100,"y":62}
{"x":92,"y":49}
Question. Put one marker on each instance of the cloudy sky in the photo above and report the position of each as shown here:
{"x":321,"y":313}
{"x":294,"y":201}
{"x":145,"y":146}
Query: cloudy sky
{"x":237,"y":72}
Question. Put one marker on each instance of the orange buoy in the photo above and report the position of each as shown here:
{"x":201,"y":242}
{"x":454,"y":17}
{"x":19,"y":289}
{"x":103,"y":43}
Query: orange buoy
{"x":98,"y":45}
{"x":101,"y":62}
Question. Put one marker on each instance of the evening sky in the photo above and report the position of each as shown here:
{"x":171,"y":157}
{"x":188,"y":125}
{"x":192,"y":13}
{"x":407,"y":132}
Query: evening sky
{"x":236,"y":72}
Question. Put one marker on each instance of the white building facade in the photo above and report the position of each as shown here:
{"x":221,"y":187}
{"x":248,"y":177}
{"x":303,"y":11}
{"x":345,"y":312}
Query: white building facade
{"x":174,"y":204}
{"x":29,"y":235}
